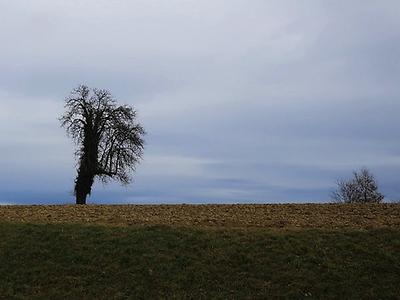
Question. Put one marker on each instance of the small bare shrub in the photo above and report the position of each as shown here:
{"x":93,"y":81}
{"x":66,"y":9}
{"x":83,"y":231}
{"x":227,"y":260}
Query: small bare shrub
{"x":362,"y":188}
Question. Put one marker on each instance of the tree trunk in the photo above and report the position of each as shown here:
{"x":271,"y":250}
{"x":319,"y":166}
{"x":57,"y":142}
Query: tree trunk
{"x":83,"y":186}
{"x":88,"y":165}
{"x":80,"y":198}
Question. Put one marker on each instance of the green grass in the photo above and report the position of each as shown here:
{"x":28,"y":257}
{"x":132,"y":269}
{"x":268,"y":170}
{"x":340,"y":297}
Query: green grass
{"x":103,"y":262}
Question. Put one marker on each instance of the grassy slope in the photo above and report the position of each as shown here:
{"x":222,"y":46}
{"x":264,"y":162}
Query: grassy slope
{"x":103,"y":262}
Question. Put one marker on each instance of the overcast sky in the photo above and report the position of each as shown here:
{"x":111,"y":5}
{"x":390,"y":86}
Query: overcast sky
{"x":243,"y":100}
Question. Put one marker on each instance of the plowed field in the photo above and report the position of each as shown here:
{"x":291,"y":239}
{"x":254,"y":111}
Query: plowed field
{"x":288,"y":216}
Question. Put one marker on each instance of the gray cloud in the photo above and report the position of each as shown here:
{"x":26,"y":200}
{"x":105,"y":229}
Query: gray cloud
{"x":244,"y":101}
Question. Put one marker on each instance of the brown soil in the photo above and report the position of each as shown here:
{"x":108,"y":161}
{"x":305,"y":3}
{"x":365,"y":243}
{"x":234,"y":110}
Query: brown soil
{"x":288,"y":216}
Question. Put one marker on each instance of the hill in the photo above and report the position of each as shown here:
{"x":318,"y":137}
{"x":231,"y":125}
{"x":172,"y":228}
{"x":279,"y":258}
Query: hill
{"x":201,"y":252}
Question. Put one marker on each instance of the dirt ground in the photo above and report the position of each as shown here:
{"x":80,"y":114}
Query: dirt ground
{"x":244,"y":216}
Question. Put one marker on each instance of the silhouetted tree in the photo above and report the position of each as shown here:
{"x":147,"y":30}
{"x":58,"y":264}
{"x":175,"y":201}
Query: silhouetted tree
{"x":363,"y":188}
{"x":110,"y":141}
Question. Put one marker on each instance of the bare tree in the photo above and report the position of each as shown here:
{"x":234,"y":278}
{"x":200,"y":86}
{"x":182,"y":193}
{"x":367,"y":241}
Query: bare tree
{"x":362,"y":188}
{"x":110,"y":141}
